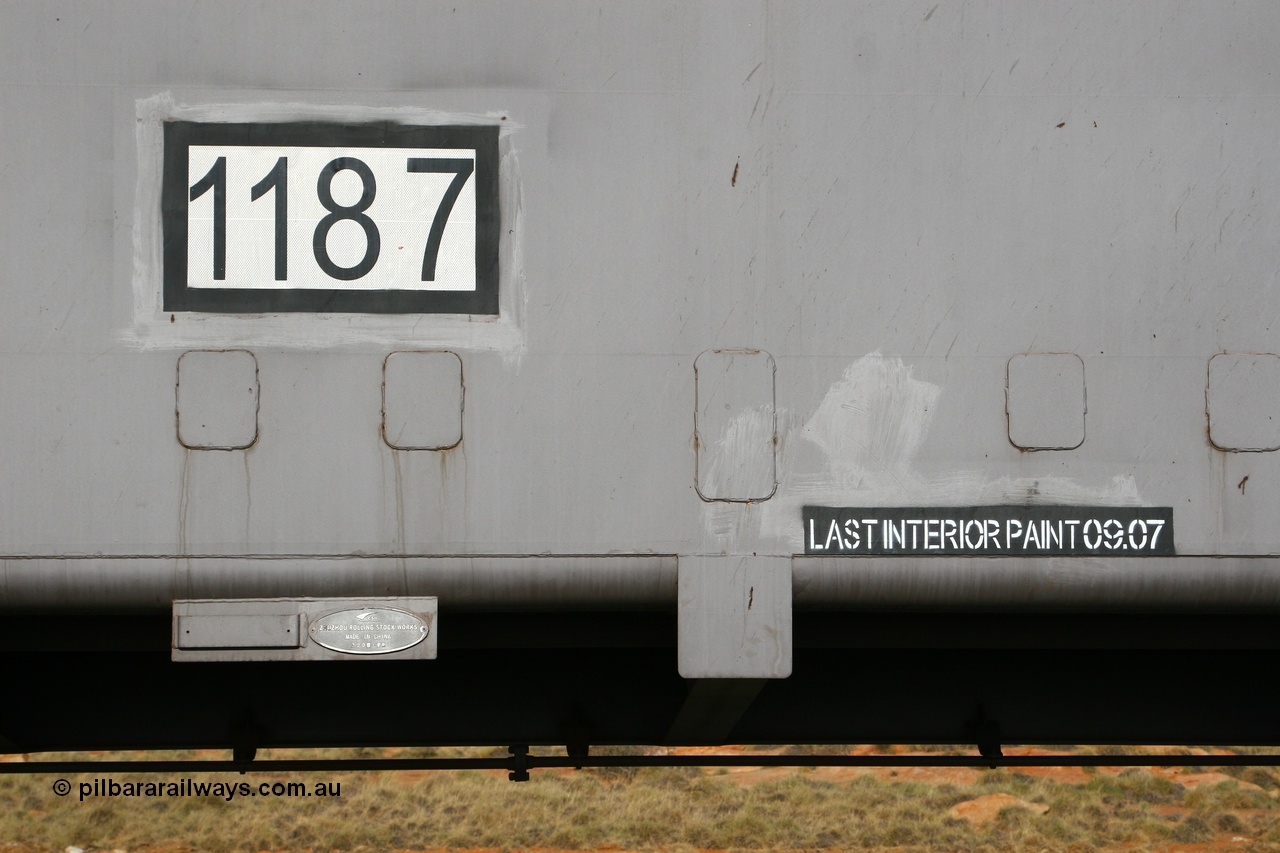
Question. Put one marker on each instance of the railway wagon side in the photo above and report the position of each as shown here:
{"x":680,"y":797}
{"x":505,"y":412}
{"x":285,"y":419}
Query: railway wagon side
{"x":638,"y":373}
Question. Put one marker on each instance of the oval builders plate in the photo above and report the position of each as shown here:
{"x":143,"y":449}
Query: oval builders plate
{"x":369,"y":631}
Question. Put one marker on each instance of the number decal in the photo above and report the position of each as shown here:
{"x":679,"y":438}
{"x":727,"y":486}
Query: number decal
{"x":1135,"y":543}
{"x":1114,"y":533}
{"x":1094,"y":542}
{"x":278,"y":180}
{"x":1159,"y":525}
{"x":461,"y":172}
{"x":339,"y":212}
{"x":331,"y":218}
{"x":216,"y":178}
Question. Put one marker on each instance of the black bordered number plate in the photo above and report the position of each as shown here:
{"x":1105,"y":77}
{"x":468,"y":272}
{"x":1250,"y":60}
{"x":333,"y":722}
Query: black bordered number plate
{"x":317,"y":218}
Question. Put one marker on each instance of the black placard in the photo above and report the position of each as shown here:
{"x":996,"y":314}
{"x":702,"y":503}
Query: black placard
{"x":289,"y":244}
{"x":989,"y":530}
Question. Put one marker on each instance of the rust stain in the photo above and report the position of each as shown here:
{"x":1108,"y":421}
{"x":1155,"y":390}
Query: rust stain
{"x":1240,"y":485}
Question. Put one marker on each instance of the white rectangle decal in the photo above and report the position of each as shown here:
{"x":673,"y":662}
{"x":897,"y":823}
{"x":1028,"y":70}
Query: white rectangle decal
{"x":268,"y":217}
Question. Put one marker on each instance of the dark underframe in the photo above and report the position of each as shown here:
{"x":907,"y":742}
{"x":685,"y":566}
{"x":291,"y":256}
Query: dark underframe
{"x":587,"y":681}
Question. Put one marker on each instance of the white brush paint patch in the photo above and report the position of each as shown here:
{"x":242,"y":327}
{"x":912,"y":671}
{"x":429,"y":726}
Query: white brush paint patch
{"x":871,"y":422}
{"x":153,"y":328}
{"x":867,"y":432}
{"x":725,"y":524}
{"x":740,"y":462}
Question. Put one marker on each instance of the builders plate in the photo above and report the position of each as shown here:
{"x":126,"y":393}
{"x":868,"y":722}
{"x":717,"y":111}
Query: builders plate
{"x":368,"y":631}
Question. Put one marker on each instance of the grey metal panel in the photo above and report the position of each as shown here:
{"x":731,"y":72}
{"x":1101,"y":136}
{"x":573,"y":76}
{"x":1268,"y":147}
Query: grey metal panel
{"x":56,"y":256}
{"x":892,"y":200}
{"x":734,"y":617}
{"x":75,"y":429}
{"x":202,"y":43}
{"x":237,"y":631}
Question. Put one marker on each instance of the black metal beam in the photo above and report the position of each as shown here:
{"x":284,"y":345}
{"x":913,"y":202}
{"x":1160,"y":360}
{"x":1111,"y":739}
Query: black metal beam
{"x":520,"y":760}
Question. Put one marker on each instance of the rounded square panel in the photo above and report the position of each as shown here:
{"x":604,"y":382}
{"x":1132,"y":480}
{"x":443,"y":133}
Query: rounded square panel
{"x":1045,"y":401}
{"x":217,"y":399}
{"x":422,"y":400}
{"x":1243,"y":401}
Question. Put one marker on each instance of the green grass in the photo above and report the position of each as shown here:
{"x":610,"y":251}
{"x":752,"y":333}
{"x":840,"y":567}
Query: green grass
{"x":637,"y":809}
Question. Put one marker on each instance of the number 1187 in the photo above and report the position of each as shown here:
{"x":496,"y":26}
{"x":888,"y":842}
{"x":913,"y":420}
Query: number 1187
{"x":276,"y":181}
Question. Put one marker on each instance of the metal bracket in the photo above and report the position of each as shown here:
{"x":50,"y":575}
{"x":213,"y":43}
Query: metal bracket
{"x":988,"y":737}
{"x":519,"y":764}
{"x":290,"y":629}
{"x":246,"y":734}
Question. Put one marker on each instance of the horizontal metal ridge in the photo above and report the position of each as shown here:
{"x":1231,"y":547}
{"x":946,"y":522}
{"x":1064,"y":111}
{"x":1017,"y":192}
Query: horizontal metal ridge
{"x":140,"y":584}
{"x":645,"y":581}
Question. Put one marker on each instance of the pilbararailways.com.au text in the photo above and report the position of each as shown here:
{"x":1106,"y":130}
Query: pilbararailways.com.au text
{"x":192,"y":788}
